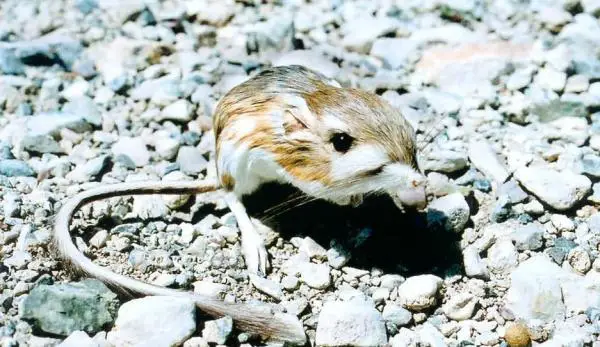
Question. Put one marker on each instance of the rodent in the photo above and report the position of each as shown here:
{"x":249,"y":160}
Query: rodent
{"x":286,"y":124}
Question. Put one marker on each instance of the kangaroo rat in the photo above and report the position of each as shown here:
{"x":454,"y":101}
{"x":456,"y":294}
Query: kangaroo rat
{"x":289,"y":125}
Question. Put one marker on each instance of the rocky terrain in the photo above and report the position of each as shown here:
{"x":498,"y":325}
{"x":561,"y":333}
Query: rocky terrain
{"x":505,"y":96}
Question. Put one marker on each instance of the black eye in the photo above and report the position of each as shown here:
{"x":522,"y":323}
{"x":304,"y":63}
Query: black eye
{"x":341,"y":142}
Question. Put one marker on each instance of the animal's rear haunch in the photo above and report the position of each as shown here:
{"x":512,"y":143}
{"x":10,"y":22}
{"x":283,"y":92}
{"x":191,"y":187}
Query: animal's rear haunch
{"x":250,"y":318}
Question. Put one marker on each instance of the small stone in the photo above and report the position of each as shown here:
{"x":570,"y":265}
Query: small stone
{"x":445,"y":161}
{"x":502,"y":256}
{"x":313,"y":249}
{"x":191,"y":161}
{"x":396,"y":316}
{"x":419,"y":292}
{"x":485,"y":160}
{"x":561,"y":190}
{"x":551,"y":79}
{"x":41,"y":144}
{"x":362,"y":31}
{"x":528,"y":237}
{"x":18,"y":260}
{"x":275,"y":34}
{"x":220,"y":12}
{"x":154,"y":321}
{"x":519,"y":79}
{"x":560,"y":249}
{"x":267,"y":286}
{"x":337,"y":325}
{"x":452,"y":211}
{"x":15,"y":168}
{"x":99,"y":239}
{"x":337,"y":258}
{"x":577,"y":84}
{"x":391,"y":281}
{"x":210,"y":289}
{"x":460,"y":307}
{"x":379,"y":295}
{"x":517,"y":335}
{"x":134,"y":148}
{"x":395,"y":52}
{"x":218,"y":331}
{"x":290,"y":283}
{"x":62,"y":309}
{"x":167,"y":147}
{"x":89,"y":170}
{"x":180,"y":111}
{"x":580,"y":260}
{"x":315,"y":275}
{"x":474,"y":265}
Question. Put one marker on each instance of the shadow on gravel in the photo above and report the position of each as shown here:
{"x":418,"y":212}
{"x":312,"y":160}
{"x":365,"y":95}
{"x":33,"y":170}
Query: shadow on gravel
{"x":376,"y":234}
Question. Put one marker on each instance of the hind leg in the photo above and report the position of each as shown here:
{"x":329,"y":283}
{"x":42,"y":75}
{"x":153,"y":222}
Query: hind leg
{"x":253,"y":246}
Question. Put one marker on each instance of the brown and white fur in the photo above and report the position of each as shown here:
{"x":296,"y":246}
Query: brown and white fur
{"x":282,"y":125}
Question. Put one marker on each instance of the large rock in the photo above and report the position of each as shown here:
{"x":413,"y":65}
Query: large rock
{"x":535,"y":292}
{"x":65,"y":308}
{"x":560,"y":190}
{"x":351,"y":323}
{"x":154,"y":321}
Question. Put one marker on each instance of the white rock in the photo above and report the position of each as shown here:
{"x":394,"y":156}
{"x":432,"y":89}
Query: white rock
{"x":267,"y":286}
{"x":562,"y":222}
{"x":166,"y":147}
{"x":535,"y":290}
{"x":210,"y":289}
{"x":430,"y":336}
{"x":474,"y":265}
{"x":484,"y":159}
{"x":502,"y":256}
{"x":577,"y":84}
{"x":154,"y":321}
{"x":561,"y":190}
{"x":452,"y":211}
{"x":363,"y":30}
{"x":551,"y":79}
{"x":395,"y":52}
{"x":313,"y":249}
{"x":134,"y":148}
{"x":460,"y":307}
{"x":181,"y":111}
{"x":217,"y":331}
{"x":396,"y":315}
{"x":391,"y":281}
{"x":354,"y":323}
{"x":419,"y":292}
{"x":315,"y":275}
{"x":579,"y":260}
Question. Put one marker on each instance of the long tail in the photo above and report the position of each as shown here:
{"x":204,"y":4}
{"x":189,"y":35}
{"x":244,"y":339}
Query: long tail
{"x":251,"y":318}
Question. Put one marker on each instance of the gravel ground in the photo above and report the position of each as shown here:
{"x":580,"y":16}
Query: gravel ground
{"x":505,"y":96}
